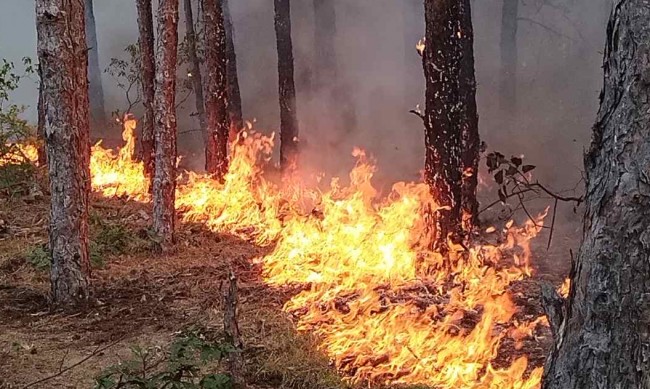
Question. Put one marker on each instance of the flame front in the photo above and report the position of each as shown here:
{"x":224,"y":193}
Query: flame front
{"x":383,"y":306}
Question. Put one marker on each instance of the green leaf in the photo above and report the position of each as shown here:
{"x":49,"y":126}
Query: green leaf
{"x":216,"y":381}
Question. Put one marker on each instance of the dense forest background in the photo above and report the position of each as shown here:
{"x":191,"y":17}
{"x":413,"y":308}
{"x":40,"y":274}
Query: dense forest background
{"x":559,"y":78}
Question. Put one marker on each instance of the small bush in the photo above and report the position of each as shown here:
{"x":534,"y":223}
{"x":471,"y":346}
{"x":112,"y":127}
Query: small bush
{"x":15,"y":167}
{"x":179,"y":367}
{"x":39,"y":257}
{"x":113,"y":239}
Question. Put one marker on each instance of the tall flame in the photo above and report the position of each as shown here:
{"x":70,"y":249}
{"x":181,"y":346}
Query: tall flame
{"x":383,"y":306}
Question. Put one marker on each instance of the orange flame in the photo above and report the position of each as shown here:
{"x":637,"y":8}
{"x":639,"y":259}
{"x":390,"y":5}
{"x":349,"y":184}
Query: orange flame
{"x":565,"y":287}
{"x":383,"y":307}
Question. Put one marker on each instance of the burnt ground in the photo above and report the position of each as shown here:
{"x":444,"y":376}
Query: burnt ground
{"x":141,"y":298}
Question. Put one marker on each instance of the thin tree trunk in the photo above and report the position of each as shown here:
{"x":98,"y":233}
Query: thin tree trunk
{"x":164,"y":214}
{"x":64,"y":65}
{"x":508,"y":81}
{"x":147,"y":82}
{"x":450,"y":117}
{"x":40,"y":129}
{"x":216,"y":99}
{"x":605,"y":339}
{"x":96,"y":91}
{"x":197,"y":79}
{"x":234,"y":94}
{"x":287,"y":89}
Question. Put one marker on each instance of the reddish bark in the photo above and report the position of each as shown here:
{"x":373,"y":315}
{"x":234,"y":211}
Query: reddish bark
{"x":164,"y":213}
{"x":147,"y":82}
{"x":63,"y":61}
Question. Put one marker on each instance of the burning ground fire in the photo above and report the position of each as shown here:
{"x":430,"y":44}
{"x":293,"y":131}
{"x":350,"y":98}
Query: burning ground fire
{"x":383,"y":306}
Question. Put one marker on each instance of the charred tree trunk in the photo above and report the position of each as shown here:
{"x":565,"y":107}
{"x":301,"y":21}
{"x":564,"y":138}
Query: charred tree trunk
{"x":96,"y":91}
{"x":164,"y":214}
{"x":604,"y":340}
{"x":468,"y":119}
{"x":147,"y":82}
{"x":195,"y":66}
{"x":450,"y":118}
{"x":234,"y":94}
{"x":287,"y":89}
{"x":508,"y":81}
{"x":216,"y":99}
{"x":64,"y":66}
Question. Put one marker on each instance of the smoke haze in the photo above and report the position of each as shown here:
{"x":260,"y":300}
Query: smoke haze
{"x":559,"y":78}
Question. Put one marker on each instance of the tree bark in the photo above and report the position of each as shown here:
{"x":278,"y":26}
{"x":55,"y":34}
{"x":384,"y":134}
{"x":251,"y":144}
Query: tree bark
{"x":164,"y":214}
{"x":605,"y":337}
{"x":64,"y":66}
{"x":216,"y":99}
{"x":96,"y":91}
{"x":508,"y":81}
{"x":469,"y":124}
{"x":286,"y":86}
{"x":147,"y":82}
{"x":195,"y":65}
{"x":40,"y":129}
{"x":451,"y":120}
{"x":234,"y":94}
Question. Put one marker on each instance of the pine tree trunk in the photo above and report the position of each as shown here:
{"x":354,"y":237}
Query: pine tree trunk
{"x":195,"y":65}
{"x":508,"y":81}
{"x":605,"y":338}
{"x":147,"y":82}
{"x":96,"y":91}
{"x":234,"y":94}
{"x":40,"y":129}
{"x":450,"y":118}
{"x":216,"y":99}
{"x":468,"y":117}
{"x":164,"y":215}
{"x":287,"y":89}
{"x":64,"y":65}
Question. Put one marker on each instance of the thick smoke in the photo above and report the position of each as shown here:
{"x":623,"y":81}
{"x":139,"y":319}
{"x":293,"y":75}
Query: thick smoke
{"x":559,"y":78}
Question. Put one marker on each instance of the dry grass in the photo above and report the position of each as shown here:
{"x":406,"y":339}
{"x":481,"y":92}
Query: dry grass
{"x":139,"y":298}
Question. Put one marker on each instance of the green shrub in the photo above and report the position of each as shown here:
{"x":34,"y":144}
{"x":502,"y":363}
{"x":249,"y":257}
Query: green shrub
{"x":179,"y":367}
{"x":39,"y":257}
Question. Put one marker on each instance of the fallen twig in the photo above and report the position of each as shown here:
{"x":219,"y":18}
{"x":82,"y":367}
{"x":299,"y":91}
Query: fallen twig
{"x":95,"y":352}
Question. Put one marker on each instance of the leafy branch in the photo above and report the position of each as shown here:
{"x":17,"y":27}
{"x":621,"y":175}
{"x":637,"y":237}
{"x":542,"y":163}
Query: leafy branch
{"x":515,"y":181}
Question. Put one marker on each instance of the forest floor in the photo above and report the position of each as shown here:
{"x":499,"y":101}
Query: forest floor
{"x":145,"y":299}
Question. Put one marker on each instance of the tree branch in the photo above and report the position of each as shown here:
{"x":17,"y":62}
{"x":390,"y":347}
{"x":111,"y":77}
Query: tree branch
{"x":97,"y":351}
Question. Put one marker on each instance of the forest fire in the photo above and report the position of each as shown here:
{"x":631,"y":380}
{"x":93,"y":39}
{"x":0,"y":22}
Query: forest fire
{"x":385,"y":308}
